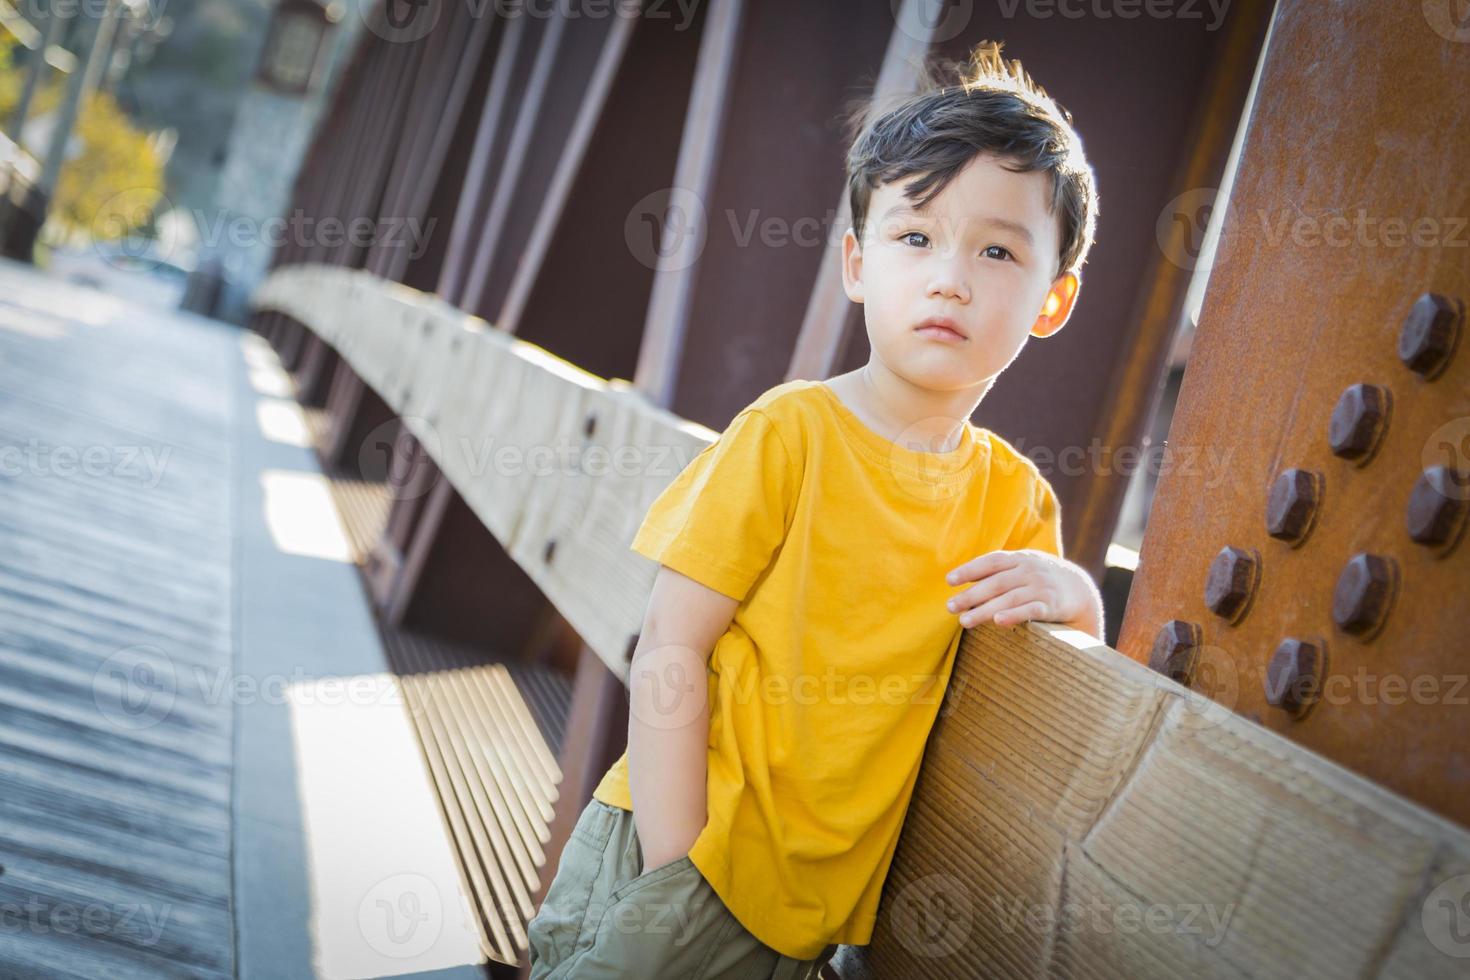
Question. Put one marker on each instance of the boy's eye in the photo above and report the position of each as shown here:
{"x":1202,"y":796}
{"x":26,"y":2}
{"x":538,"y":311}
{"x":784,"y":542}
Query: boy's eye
{"x":1004,"y":251}
{"x":914,"y":234}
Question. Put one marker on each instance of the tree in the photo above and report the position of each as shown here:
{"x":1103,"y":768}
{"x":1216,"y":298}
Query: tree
{"x":114,"y":185}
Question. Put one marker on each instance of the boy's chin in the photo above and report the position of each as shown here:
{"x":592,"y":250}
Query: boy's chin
{"x":928,"y":371}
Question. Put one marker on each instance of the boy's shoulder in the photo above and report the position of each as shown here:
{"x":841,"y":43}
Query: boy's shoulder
{"x":791,"y":407}
{"x":787,"y":398}
{"x":1006,"y":459}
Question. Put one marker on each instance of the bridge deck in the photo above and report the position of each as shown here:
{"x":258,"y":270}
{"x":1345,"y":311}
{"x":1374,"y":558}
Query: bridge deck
{"x":115,"y":614}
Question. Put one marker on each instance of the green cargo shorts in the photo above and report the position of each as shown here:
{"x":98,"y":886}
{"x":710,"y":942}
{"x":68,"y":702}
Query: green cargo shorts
{"x":602,"y":918}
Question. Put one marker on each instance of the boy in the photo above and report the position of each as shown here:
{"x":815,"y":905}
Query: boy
{"x":820,"y":560}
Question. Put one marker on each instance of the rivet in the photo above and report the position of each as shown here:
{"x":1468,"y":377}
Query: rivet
{"x":590,"y":426}
{"x":1364,"y":589}
{"x":1429,"y":334}
{"x":1358,"y":421}
{"x":1437,"y":505}
{"x":1231,"y":582}
{"x":1291,"y":509}
{"x":1294,"y":675}
{"x":550,"y":550}
{"x":1175,"y":650}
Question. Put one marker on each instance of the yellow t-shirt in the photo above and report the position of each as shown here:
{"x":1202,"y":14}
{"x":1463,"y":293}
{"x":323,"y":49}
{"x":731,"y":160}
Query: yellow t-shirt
{"x":824,"y":688}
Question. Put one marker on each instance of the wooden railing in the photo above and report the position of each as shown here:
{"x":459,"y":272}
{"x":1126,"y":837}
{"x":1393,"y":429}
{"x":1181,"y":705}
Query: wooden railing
{"x":1076,"y":814}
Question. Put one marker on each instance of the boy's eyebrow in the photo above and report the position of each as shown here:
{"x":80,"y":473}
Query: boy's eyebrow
{"x":1015,"y":227}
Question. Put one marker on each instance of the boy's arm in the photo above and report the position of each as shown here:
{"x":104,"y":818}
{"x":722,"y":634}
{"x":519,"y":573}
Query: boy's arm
{"x":668,"y":724}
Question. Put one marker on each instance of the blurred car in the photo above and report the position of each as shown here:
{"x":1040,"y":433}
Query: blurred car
{"x":141,"y":274}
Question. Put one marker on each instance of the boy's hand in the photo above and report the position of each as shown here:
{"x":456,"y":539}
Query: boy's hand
{"x":1012,"y":587}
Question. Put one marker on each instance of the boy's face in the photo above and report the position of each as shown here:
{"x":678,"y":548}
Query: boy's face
{"x":982,"y":254}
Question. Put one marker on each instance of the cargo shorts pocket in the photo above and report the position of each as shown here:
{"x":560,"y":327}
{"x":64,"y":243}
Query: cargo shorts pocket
{"x":566,"y":911}
{"x":665,"y":923}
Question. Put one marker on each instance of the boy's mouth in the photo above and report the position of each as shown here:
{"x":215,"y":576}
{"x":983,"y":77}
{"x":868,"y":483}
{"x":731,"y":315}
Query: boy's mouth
{"x":940,"y":328}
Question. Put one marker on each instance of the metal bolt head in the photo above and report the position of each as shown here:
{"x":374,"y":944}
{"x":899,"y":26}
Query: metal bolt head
{"x":1292,"y":505}
{"x":1360,"y":602}
{"x":1429,"y":334}
{"x":1231,"y":581}
{"x":550,"y":551}
{"x":1437,"y":505}
{"x":1358,"y":421}
{"x":590,"y":426}
{"x":1174,"y":650}
{"x":1294,"y":675}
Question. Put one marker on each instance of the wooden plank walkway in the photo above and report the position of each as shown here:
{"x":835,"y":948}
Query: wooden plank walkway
{"x":115,"y":636}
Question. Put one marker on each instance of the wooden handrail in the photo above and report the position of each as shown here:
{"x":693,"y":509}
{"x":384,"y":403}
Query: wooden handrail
{"x":1076,"y":814}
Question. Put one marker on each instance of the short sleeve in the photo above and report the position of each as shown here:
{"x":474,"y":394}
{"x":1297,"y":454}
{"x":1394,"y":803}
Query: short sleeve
{"x":1041,"y":529}
{"x":725,"y":515}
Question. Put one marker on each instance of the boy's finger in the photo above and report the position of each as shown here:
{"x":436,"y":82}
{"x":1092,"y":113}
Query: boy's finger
{"x":986,"y":589}
{"x":984,"y":614}
{"x":977,"y":568}
{"x":1020,"y":614}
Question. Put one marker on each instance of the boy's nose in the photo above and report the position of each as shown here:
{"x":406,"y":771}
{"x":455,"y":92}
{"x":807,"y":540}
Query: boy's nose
{"x":949,"y":286}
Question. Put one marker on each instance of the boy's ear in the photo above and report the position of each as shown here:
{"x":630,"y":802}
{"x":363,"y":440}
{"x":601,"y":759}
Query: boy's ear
{"x":1057,"y":306}
{"x":852,"y":267}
